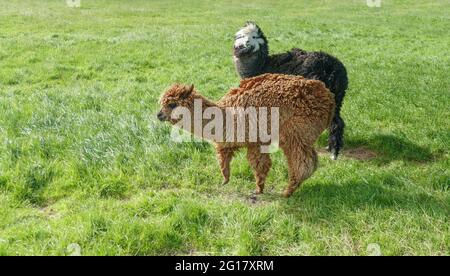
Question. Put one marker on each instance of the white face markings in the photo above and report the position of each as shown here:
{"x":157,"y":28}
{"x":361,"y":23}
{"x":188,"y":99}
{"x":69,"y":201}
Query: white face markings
{"x":248,"y":36}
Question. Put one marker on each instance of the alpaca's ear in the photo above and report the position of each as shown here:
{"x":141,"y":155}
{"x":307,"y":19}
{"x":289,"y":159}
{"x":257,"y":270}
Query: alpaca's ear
{"x":187,"y":91}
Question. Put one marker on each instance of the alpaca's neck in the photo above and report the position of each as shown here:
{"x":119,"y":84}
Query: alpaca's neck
{"x":205,"y":102}
{"x":252,"y":65}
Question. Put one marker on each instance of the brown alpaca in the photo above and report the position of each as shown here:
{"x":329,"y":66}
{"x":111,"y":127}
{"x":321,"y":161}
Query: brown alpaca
{"x":305,"y":110}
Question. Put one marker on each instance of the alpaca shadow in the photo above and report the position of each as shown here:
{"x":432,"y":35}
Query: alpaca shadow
{"x":390,"y":147}
{"x":385,"y":148}
{"x":332,"y":202}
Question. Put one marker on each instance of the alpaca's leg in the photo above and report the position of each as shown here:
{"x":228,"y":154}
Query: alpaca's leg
{"x":260,"y":163}
{"x":302,"y":163}
{"x":336,"y":138}
{"x":225,"y":155}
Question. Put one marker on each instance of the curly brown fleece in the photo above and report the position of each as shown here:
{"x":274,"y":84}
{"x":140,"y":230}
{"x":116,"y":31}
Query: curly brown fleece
{"x":305,"y":110}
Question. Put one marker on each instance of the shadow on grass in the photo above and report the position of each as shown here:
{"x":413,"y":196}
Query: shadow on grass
{"x":334,"y":202}
{"x":385,"y":148}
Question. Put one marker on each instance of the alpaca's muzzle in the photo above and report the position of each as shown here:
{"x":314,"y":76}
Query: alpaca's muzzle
{"x":242,"y":50}
{"x":161,"y":116}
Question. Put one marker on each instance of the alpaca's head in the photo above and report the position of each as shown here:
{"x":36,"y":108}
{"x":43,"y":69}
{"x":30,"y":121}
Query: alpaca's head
{"x":177,"y":95}
{"x":249,"y":40}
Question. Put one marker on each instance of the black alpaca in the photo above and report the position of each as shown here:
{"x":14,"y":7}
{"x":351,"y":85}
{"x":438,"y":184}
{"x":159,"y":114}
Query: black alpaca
{"x":251,"y":58}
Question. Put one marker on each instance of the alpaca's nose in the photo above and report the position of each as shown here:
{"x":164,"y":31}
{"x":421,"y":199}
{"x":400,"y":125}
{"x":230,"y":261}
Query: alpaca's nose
{"x":240,"y":47}
{"x":161,"y":116}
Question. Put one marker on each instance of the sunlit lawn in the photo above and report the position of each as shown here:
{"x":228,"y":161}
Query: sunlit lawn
{"x":83,"y":161}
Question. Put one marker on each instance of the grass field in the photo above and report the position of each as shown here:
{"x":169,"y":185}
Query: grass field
{"x":83,"y":160}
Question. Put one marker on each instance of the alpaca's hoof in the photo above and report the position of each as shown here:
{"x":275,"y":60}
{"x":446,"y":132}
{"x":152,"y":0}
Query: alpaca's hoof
{"x":333,"y":155}
{"x":287,"y":193}
{"x":258,"y":192}
{"x":225,"y":182}
{"x":328,"y":148}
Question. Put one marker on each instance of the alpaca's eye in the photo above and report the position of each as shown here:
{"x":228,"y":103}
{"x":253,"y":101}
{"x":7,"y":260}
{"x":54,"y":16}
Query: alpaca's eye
{"x":172,"y":105}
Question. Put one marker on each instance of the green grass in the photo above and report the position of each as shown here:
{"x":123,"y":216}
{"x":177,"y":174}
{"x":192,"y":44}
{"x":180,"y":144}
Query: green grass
{"x":83,"y":161}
